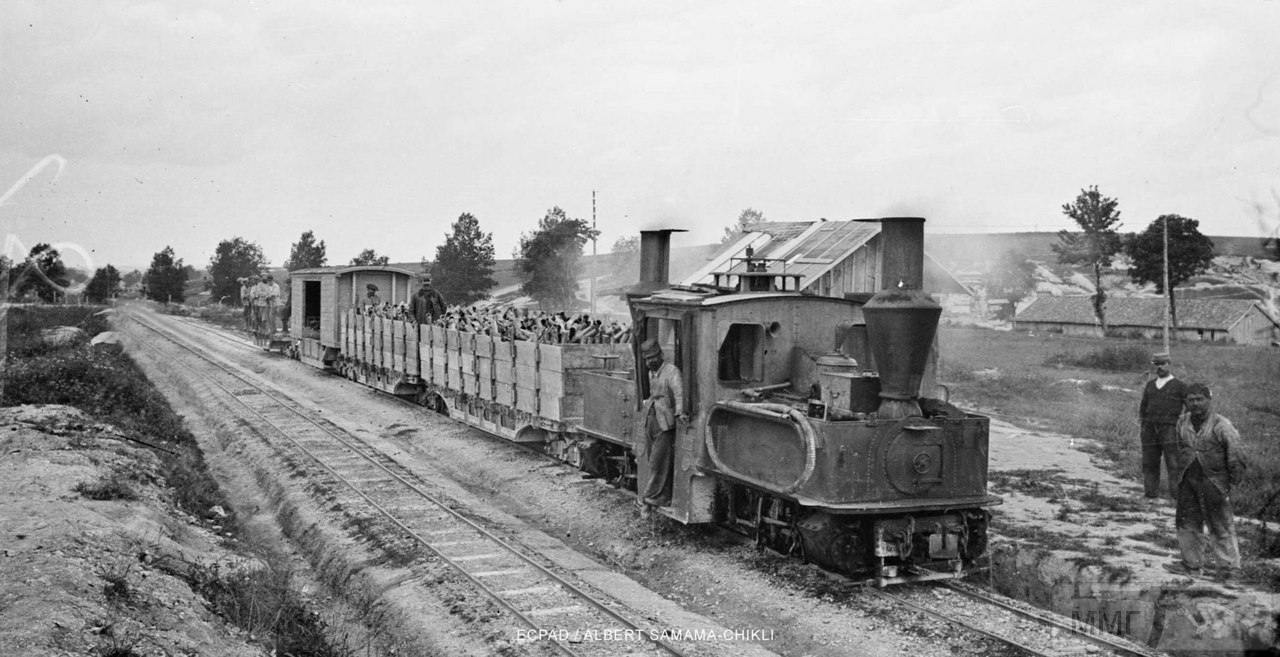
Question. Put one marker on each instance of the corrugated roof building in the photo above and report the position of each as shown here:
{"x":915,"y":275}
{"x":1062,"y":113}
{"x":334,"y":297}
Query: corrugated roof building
{"x":833,"y":258}
{"x":1210,"y":320}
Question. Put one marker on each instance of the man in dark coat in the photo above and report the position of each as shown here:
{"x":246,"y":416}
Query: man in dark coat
{"x":1158,"y":412}
{"x":663,"y":408}
{"x":427,"y":304}
{"x":1209,"y":463}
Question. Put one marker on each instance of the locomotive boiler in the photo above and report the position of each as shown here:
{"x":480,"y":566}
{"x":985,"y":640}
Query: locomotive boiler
{"x":814,"y":422}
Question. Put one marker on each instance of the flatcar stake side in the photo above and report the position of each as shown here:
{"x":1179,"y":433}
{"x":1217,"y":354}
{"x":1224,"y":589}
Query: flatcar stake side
{"x":813,"y":424}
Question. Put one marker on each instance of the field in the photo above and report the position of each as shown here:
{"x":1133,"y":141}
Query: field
{"x":1090,"y":388}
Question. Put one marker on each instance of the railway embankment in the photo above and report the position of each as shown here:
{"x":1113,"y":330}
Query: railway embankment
{"x":116,"y":539}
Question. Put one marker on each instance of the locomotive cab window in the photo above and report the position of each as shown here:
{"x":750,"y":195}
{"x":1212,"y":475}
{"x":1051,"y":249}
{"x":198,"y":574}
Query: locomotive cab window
{"x":742,"y":353}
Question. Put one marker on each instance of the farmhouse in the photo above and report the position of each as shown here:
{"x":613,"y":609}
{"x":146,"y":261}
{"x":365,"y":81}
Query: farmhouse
{"x":1242,"y":321}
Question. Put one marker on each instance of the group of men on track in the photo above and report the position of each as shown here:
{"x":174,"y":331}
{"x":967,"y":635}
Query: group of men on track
{"x":261,"y":302}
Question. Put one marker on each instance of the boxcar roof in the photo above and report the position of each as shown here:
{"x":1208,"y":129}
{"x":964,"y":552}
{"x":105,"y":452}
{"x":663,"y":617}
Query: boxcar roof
{"x":347,"y":269}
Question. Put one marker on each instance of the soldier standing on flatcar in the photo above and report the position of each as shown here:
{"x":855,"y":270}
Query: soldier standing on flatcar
{"x":1162,"y":402}
{"x":663,"y":408}
{"x":258,"y":297}
{"x":1209,"y":465}
{"x":427,"y":304}
{"x":372,"y":301}
{"x":246,"y":303}
{"x":271,"y":299}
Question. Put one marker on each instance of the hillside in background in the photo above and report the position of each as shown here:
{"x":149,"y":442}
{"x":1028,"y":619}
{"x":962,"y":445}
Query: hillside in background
{"x":970,"y":251}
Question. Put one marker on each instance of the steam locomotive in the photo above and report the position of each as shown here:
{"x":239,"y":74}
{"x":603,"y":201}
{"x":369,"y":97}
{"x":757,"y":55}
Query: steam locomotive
{"x":814,"y":425}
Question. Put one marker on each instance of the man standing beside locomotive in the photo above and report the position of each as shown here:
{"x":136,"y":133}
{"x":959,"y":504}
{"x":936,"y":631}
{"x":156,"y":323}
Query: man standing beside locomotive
{"x":1158,"y":412}
{"x":1208,"y":464}
{"x":664,"y":407}
{"x":427,"y":304}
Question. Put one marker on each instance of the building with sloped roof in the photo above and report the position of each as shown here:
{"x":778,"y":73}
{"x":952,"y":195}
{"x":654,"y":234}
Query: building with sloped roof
{"x":1242,"y":321}
{"x":832,"y":258}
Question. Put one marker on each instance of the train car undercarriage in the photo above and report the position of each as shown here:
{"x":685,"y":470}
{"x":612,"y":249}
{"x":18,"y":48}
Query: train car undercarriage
{"x":882,"y":549}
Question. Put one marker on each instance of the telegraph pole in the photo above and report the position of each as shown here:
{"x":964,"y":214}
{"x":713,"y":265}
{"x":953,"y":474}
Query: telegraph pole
{"x":1168,"y":292}
{"x":593,"y":252}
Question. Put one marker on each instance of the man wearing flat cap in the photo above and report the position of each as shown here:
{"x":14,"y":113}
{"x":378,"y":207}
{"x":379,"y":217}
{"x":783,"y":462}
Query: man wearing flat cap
{"x":371,"y":299}
{"x":663,"y":408}
{"x":427,"y":304}
{"x":1209,"y":463}
{"x":1162,"y":401}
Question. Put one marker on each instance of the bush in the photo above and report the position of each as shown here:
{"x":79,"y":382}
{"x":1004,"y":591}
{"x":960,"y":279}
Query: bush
{"x":115,"y":487}
{"x":1111,"y":359}
{"x":26,"y":322}
{"x":265,"y":603}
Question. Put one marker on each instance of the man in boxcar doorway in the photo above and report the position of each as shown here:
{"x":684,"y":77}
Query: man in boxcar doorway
{"x":1209,"y":464}
{"x":1158,"y":412}
{"x":427,"y":304}
{"x":663,"y":408}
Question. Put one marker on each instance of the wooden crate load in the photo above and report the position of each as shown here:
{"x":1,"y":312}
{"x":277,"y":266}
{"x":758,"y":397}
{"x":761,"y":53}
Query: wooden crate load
{"x":539,"y":379}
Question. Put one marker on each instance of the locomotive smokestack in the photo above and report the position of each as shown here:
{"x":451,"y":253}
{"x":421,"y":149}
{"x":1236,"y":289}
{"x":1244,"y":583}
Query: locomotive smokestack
{"x":902,"y":246}
{"x":901,"y":318}
{"x":655,"y":259}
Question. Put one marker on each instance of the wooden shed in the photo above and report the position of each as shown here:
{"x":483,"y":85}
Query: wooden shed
{"x":321,"y":295}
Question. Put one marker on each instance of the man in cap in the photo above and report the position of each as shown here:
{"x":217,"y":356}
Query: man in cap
{"x":371,"y":300}
{"x":245,"y":302}
{"x":1162,"y":401}
{"x":427,"y":304}
{"x":1208,"y":464}
{"x":271,"y":301}
{"x":663,"y":408}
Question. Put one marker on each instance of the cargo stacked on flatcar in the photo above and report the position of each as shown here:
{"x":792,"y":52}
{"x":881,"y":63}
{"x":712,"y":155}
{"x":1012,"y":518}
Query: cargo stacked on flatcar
{"x":814,"y":423}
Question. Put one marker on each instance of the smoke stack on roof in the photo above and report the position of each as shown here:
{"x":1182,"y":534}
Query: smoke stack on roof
{"x":902,"y":248}
{"x":655,"y":260}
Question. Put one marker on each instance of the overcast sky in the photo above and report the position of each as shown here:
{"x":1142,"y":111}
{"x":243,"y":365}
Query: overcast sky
{"x":129,"y":126}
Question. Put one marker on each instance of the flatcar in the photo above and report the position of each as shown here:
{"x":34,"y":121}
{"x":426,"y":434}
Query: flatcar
{"x":815,"y":422}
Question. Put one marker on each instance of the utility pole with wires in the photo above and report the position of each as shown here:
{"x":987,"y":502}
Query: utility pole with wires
{"x":593,"y":252}
{"x":1168,"y":292}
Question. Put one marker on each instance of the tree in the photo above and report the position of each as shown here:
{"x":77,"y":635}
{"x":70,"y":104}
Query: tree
{"x":627,"y":250}
{"x":104,"y":285}
{"x":306,"y":252}
{"x":746,"y":220}
{"x":1189,"y":254}
{"x":132,"y":278}
{"x":1098,"y":219}
{"x":42,"y":273}
{"x":463,"y":268}
{"x":6,"y":266}
{"x":370,"y":257}
{"x":1011,"y":276}
{"x":548,"y":259}
{"x":165,"y":280}
{"x":234,"y":259}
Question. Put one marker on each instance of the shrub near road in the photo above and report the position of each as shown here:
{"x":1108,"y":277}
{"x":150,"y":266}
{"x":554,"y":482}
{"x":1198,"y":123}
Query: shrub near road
{"x":1091,"y":388}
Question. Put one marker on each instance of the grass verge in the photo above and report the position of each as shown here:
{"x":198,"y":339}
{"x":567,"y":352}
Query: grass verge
{"x":1090,"y":388}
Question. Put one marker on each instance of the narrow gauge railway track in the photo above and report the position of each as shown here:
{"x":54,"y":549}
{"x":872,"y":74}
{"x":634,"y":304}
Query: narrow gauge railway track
{"x":1084,"y":631}
{"x":550,"y":605}
{"x":1068,"y":638}
{"x":1065,"y":638}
